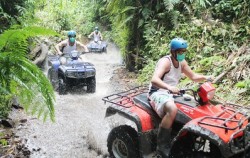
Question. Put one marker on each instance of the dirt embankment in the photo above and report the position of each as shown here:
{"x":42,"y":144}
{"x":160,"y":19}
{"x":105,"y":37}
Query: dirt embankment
{"x":80,"y":129}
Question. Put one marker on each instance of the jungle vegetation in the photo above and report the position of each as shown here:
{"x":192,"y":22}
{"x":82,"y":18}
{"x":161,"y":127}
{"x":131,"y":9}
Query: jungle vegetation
{"x":218,"y":33}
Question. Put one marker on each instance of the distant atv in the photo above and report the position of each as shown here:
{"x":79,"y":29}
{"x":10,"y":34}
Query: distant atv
{"x":97,"y":46}
{"x":201,"y":129}
{"x":73,"y":73}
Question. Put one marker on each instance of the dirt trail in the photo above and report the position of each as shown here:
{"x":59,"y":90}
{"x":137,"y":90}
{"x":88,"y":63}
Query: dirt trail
{"x":80,"y":130}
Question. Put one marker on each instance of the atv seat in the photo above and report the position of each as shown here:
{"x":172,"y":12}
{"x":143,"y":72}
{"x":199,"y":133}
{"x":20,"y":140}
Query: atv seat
{"x":143,"y":101}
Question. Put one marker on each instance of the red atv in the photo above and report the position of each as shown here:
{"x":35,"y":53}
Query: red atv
{"x":202,"y":128}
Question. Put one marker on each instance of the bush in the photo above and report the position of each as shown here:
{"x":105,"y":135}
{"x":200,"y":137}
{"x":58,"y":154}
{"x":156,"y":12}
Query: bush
{"x":5,"y":105}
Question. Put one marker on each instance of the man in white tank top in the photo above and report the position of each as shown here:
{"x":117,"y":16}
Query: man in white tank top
{"x":97,"y":36}
{"x":69,"y":45}
{"x":164,"y":84}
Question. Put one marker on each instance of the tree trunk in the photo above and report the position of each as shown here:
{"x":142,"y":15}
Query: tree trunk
{"x":42,"y":56}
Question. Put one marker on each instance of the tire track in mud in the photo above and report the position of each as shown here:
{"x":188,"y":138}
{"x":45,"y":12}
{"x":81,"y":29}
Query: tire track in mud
{"x":80,"y":130}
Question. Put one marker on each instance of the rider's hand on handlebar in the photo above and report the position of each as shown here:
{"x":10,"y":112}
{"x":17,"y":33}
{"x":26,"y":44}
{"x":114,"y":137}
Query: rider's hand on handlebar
{"x":60,"y":53}
{"x":174,"y":90}
{"x":209,"y":78}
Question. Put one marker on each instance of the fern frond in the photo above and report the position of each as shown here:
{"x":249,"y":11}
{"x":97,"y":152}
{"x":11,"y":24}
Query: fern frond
{"x":20,"y":77}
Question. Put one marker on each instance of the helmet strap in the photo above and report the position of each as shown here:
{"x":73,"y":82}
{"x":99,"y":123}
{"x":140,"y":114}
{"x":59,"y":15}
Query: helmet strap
{"x":174,"y":54}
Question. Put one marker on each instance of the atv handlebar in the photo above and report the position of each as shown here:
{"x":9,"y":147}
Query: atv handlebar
{"x":183,"y":91}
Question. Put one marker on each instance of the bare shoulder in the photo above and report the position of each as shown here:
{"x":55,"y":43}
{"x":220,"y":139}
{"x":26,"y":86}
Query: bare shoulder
{"x":164,"y":63}
{"x":63,"y":43}
{"x":184,"y":63}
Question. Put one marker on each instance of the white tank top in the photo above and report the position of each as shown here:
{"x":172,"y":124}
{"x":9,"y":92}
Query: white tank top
{"x":171,"y":78}
{"x":97,"y":36}
{"x":67,"y":49}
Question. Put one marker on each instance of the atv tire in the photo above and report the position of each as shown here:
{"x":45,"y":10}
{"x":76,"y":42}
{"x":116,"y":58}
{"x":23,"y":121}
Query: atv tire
{"x":123,"y":142}
{"x":62,"y":89}
{"x":104,"y":50}
{"x":193,"y":146}
{"x":52,"y":79}
{"x":91,"y":85}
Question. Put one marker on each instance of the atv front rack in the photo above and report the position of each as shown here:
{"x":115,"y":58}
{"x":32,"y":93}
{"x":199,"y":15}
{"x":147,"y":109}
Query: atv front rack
{"x":237,"y":121}
{"x":125,"y":98}
{"x":238,"y":115}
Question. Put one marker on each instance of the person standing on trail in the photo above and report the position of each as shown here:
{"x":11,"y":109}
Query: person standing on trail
{"x":96,"y":34}
{"x":164,"y":85}
{"x":69,"y":45}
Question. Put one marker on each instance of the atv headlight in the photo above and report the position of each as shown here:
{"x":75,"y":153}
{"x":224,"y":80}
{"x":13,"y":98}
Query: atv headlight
{"x":74,"y":53}
{"x":70,"y":74}
{"x":210,"y":94}
{"x":206,"y":92}
{"x":90,"y":73}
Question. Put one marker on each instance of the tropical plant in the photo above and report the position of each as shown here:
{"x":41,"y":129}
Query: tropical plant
{"x":19,"y":77}
{"x":9,"y":12}
{"x":60,"y":15}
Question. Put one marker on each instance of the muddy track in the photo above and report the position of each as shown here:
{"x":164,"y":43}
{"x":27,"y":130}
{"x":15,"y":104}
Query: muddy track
{"x":80,"y":129}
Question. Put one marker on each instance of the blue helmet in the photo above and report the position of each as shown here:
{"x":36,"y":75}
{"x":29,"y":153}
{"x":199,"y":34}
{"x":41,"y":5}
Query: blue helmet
{"x":71,"y":33}
{"x":178,"y":43}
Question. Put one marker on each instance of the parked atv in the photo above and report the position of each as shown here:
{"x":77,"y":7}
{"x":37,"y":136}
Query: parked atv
{"x":97,"y":46}
{"x":201,"y":128}
{"x":73,"y":73}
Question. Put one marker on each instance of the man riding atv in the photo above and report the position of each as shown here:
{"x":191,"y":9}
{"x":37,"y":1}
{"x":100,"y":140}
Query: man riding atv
{"x":69,"y":45}
{"x":96,"y":35}
{"x":96,"y":44}
{"x":164,"y":85}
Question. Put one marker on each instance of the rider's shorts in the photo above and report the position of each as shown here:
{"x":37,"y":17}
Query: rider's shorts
{"x":158,"y":99}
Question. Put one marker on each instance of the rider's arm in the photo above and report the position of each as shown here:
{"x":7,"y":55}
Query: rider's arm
{"x":89,"y":36}
{"x":100,"y":36}
{"x":60,"y":45}
{"x":190,"y":74}
{"x":162,"y":68}
{"x":83,"y":46}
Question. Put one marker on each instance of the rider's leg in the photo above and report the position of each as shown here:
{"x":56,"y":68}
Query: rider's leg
{"x":163,"y":104}
{"x":170,"y":111}
{"x":164,"y":131}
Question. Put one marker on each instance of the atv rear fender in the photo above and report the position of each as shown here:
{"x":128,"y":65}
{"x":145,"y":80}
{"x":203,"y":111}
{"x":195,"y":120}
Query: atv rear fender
{"x":138,"y":116}
{"x":143,"y":123}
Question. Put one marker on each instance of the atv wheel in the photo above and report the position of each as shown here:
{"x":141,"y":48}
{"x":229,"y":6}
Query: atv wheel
{"x":104,"y":50}
{"x":123,"y":142}
{"x":194,"y":146}
{"x":52,"y":78}
{"x":62,"y":89}
{"x":91,"y":85}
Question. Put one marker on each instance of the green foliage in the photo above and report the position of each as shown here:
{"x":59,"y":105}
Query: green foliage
{"x":19,"y":77}
{"x":212,"y":64}
{"x":210,"y":40}
{"x":9,"y":11}
{"x":120,"y":14}
{"x":60,"y":15}
{"x":231,"y":10}
{"x":5,"y":105}
{"x":147,"y":72}
{"x":3,"y":142}
{"x":244,"y":84}
{"x":240,"y":84}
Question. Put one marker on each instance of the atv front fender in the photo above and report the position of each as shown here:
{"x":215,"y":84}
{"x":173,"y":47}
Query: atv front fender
{"x":209,"y":134}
